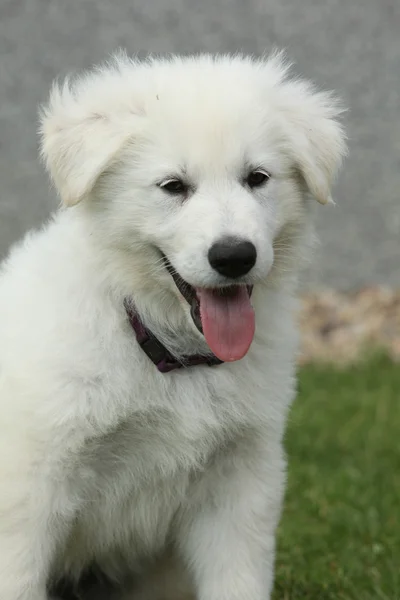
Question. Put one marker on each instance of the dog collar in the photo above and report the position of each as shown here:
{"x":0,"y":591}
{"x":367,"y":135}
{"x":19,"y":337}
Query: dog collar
{"x":157,"y":352}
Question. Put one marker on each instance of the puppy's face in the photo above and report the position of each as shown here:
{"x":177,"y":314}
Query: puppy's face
{"x":204,"y":166}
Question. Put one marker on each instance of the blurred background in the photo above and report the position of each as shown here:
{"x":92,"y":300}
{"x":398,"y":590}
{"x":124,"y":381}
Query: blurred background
{"x":351,"y":46}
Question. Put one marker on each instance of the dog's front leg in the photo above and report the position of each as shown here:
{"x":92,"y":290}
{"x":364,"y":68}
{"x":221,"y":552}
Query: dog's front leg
{"x":28,"y":529}
{"x":24,"y":558}
{"x":228,"y":536}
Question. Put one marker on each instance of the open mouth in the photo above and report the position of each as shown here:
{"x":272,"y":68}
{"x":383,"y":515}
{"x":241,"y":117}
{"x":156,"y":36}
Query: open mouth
{"x":223,"y":315}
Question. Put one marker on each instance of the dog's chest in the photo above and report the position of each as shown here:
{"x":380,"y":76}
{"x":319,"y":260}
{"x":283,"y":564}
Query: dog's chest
{"x":153,"y":444}
{"x":132,"y":480}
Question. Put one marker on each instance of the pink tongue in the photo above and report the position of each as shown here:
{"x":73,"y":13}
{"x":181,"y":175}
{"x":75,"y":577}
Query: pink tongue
{"x":228,"y":322}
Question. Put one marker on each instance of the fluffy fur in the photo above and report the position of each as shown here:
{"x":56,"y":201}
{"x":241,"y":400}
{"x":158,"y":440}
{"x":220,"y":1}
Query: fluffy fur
{"x":173,"y":480}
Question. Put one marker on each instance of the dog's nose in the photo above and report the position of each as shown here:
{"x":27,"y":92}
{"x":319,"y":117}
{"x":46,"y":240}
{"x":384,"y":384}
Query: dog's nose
{"x":232,"y":257}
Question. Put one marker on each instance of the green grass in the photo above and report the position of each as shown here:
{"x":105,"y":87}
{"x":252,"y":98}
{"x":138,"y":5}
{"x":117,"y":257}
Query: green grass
{"x":339,"y":538}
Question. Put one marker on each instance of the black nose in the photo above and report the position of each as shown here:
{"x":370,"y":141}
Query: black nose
{"x":232,"y":257}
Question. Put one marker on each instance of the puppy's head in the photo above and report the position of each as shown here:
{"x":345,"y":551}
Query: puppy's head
{"x":201,"y":167}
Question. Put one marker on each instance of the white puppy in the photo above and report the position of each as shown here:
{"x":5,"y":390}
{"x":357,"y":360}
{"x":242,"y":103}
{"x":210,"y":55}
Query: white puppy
{"x":187,"y":187}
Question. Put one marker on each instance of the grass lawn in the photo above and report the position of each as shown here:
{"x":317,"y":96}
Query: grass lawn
{"x":339,"y":537}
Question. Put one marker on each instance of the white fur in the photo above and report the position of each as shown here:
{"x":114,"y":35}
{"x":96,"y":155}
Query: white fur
{"x":102,"y":457}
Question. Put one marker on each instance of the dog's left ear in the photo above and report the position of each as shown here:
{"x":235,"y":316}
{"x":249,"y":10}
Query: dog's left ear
{"x":317,"y":140}
{"x":81,"y":134}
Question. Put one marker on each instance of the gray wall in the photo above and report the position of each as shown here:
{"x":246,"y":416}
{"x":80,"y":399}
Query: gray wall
{"x":352,"y":46}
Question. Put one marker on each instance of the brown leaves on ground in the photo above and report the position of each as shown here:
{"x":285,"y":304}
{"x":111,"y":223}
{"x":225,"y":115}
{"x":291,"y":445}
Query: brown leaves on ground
{"x":341,"y":328}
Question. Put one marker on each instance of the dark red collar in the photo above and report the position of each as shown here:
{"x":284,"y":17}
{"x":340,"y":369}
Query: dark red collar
{"x":157,"y":352}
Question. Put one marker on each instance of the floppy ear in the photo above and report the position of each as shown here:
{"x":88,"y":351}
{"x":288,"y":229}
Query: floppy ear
{"x":81,"y":135}
{"x":317,"y":140}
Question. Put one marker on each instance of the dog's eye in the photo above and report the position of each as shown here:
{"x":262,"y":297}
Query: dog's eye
{"x":257,"y":178}
{"x":174,"y":186}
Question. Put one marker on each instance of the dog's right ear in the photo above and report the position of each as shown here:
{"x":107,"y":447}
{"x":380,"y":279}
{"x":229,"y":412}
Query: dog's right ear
{"x":311,"y":120}
{"x":81,"y":134}
{"x":317,"y":138}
